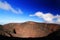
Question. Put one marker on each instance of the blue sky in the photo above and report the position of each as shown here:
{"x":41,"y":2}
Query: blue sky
{"x":30,"y":10}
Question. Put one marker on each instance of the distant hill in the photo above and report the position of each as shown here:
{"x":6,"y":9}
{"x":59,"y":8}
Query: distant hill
{"x":28,"y":29}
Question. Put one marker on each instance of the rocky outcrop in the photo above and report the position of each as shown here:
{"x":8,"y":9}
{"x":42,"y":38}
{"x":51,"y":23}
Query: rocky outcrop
{"x":29,"y":29}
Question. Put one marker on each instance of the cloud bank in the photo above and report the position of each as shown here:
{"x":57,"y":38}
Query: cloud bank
{"x":6,"y":6}
{"x":48,"y":17}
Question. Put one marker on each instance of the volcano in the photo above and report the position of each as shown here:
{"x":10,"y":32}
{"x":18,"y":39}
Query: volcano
{"x":28,"y":29}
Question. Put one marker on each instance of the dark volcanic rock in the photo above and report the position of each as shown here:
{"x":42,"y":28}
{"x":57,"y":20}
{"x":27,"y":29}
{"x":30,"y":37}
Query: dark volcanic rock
{"x":29,"y":29}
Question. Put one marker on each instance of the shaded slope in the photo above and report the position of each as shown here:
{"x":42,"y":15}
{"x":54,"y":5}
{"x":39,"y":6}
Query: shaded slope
{"x":53,"y":36}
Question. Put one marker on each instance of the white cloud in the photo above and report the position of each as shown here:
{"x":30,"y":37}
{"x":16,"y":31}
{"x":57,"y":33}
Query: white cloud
{"x":48,"y":17}
{"x":58,"y":18}
{"x":8,"y":7}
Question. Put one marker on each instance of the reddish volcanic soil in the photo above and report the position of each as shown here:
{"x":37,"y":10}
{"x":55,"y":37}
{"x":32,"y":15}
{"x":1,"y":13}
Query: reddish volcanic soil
{"x":29,"y":29}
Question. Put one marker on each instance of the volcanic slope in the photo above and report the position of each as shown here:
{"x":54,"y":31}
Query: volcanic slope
{"x":29,"y":29}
